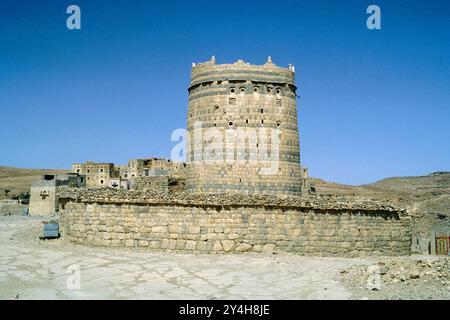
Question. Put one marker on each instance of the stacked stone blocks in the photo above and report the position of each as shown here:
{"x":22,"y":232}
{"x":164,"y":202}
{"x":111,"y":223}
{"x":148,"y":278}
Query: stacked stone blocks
{"x":257,"y":103}
{"x":210,"y":229}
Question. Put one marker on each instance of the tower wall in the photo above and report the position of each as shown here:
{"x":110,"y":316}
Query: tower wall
{"x":253,"y":106}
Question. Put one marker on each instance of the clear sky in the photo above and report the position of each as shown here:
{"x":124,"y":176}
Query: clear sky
{"x":374,"y":103}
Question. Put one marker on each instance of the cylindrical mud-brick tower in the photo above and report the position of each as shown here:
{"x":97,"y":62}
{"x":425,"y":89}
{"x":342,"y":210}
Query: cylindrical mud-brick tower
{"x":242,"y":129}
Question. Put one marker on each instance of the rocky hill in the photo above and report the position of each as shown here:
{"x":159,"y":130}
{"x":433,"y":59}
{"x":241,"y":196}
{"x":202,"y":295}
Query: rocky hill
{"x":426,"y":197}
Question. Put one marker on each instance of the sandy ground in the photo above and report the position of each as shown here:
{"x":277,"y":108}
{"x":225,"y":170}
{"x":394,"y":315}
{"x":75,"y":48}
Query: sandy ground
{"x":54,"y":269}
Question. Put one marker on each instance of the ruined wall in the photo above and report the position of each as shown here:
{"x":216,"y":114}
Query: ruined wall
{"x":198,"y":225}
{"x":256,"y":107}
{"x":156,"y":183}
{"x":153,"y":167}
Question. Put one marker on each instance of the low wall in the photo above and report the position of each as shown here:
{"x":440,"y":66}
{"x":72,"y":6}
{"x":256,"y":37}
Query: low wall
{"x":204,"y":227}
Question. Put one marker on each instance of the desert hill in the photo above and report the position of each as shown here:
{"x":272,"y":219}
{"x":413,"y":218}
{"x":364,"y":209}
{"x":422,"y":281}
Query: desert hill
{"x":18,"y":180}
{"x":427,"y":198}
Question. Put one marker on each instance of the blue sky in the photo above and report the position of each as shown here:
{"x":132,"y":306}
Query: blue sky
{"x":375,"y":103}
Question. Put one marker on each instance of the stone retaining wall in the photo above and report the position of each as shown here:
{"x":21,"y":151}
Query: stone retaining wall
{"x":240,"y":228}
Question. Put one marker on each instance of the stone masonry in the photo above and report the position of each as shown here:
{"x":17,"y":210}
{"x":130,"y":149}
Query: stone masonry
{"x":256,"y":107}
{"x":156,"y":183}
{"x":234,"y":223}
{"x":97,"y":174}
{"x":43,"y":193}
{"x":233,"y":206}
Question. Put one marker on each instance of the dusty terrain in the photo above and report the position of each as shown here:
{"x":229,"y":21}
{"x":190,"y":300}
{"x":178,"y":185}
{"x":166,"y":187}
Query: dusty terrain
{"x":45,"y":269}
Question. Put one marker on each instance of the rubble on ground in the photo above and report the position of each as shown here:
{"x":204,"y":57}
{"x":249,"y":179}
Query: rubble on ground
{"x":111,"y":195}
{"x":412,"y":277}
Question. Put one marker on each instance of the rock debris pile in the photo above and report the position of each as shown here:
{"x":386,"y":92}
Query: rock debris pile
{"x":411,"y":277}
{"x":111,"y":195}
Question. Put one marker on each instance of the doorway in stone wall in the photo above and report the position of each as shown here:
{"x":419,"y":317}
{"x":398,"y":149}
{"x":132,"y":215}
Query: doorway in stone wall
{"x":442,"y":245}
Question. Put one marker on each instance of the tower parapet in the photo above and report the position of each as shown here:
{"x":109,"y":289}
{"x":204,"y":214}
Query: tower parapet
{"x":209,"y":71}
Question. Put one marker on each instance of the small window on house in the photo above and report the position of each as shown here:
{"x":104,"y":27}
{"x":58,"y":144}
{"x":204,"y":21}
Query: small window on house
{"x":255,"y":89}
{"x":219,"y":82}
{"x":262,"y":110}
{"x":246,"y":121}
{"x":88,"y":170}
{"x":230,"y":123}
{"x":269,"y":90}
{"x":278,"y":103}
{"x":262,"y":121}
{"x":101,"y":181}
{"x":78,"y":170}
{"x":232,"y":90}
{"x":216,"y":107}
{"x":278,"y":90}
{"x":232,"y":101}
{"x":278,"y":123}
{"x":101,"y":170}
{"x":242,"y":89}
{"x":214,"y":125}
